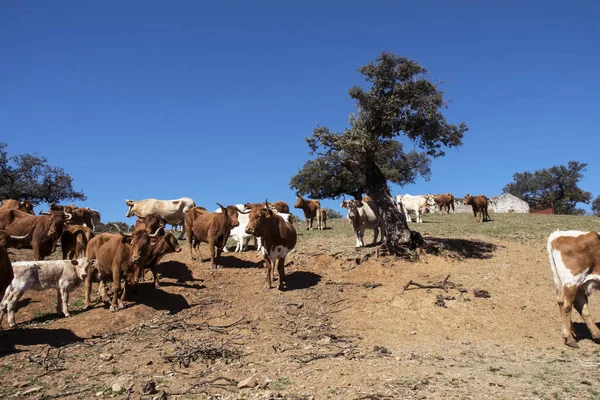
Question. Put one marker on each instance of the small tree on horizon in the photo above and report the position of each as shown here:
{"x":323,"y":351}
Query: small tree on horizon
{"x":30,"y":177}
{"x":556,"y":187}
{"x":596,"y":206}
{"x":332,"y":214}
{"x":398,"y":101}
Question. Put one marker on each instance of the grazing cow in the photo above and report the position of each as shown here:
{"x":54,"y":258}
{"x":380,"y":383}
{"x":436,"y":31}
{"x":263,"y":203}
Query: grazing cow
{"x":310,"y":208}
{"x":47,"y":231}
{"x":278,"y":239}
{"x":173,"y":211}
{"x":117,"y":255}
{"x":321,"y":219}
{"x":161,"y":246}
{"x":74,"y":241}
{"x":480,"y":206}
{"x":211,"y":228}
{"x":281,"y":207}
{"x":575,"y":263}
{"x":62,"y":275}
{"x":417,"y":204}
{"x":6,"y":241}
{"x":444,"y":202}
{"x":10,"y":204}
{"x":363,"y":215}
{"x":150,"y":223}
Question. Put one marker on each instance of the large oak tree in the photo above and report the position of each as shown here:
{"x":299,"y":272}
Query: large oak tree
{"x":397,"y":101}
{"x":30,"y":177}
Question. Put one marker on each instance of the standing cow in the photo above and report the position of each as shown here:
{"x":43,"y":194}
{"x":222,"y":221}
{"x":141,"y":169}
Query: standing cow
{"x":173,"y":211}
{"x":321,"y":219}
{"x":310,"y":208}
{"x":480,"y":206}
{"x":363,"y":215}
{"x":417,"y":204}
{"x":444,"y":202}
{"x":10,"y":204}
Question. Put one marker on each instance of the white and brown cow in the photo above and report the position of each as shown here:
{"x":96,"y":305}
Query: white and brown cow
{"x":173,"y":211}
{"x":278,"y":239}
{"x":575,"y":262}
{"x":363,"y":215}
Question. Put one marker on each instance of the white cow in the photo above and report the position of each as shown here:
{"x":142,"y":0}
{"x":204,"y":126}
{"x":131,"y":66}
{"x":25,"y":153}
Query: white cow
{"x":62,"y":275}
{"x":363,"y":215}
{"x":173,"y":211}
{"x":417,"y":204}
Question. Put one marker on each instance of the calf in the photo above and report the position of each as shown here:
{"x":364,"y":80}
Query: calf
{"x":62,"y":275}
{"x":575,"y":262}
{"x":417,"y":204}
{"x":363,"y":215}
{"x":321,"y":219}
{"x":278,"y":239}
{"x":6,"y":241}
{"x":444,"y":202}
{"x":310,"y":208}
{"x":212,"y":228}
{"x":480,"y":206}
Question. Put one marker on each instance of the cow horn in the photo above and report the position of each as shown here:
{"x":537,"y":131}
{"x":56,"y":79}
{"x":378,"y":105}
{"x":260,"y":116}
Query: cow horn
{"x":44,"y":213}
{"x":222,"y":208}
{"x":119,"y":230}
{"x":69,"y":216}
{"x":156,"y":233}
{"x":23,"y":237}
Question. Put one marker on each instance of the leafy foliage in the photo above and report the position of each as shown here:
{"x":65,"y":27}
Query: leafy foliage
{"x":110,"y":227}
{"x":556,"y":187}
{"x":399,"y":101}
{"x":596,"y":206}
{"x":29,"y":177}
{"x":332,"y":214}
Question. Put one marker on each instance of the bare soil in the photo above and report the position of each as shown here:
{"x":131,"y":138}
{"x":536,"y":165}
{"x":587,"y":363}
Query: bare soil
{"x":345,"y":328}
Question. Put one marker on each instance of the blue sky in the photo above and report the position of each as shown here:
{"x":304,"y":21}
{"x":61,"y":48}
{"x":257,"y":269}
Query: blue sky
{"x":213,"y":100}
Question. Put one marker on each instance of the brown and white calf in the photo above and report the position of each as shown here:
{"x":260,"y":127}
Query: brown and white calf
{"x":62,"y":275}
{"x":575,"y":263}
{"x":278,"y":239}
{"x":321,"y":219}
{"x":310,"y":208}
{"x":480,"y":206}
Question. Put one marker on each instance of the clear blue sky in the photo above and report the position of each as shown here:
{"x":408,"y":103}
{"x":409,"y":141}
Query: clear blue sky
{"x":213,"y":100}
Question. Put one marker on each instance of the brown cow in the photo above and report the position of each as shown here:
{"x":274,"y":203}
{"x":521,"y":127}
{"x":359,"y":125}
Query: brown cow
{"x":211,"y":228}
{"x":150,"y":223}
{"x":79,"y":215}
{"x":160,"y":247}
{"x":74,"y":241}
{"x":6,"y":271}
{"x":321,"y":219}
{"x":480,"y":206}
{"x":278,"y":239}
{"x":281,"y":207}
{"x":310,"y":208}
{"x":47,"y":231}
{"x":10,"y":204}
{"x":117,"y":255}
{"x":444,"y":202}
{"x":575,"y":262}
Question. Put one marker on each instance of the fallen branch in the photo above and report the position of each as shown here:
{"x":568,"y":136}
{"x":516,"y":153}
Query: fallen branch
{"x":445,"y":284}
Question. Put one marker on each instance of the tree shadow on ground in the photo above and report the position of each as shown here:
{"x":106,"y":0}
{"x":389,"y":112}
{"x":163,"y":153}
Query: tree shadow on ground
{"x":32,"y":336}
{"x":581,"y":331}
{"x":158,"y":299}
{"x":467,"y":248}
{"x":301,"y":280}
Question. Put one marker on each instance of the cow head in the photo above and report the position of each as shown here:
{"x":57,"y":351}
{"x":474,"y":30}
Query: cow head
{"x":430,"y":200}
{"x":300,"y":203}
{"x":468,"y":200}
{"x":140,"y":245}
{"x":150,"y":223}
{"x":166,"y":244}
{"x":257,"y":219}
{"x":344,"y":203}
{"x":353,"y":207}
{"x":130,"y":204}
{"x":65,"y":209}
{"x":231,"y":215}
{"x":83,"y":265}
{"x":26,"y":206}
{"x":56,"y":222}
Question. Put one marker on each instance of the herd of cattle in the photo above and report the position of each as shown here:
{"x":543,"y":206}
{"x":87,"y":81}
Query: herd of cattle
{"x":574,"y":255}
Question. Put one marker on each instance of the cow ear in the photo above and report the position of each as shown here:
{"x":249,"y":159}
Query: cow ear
{"x":74,"y":262}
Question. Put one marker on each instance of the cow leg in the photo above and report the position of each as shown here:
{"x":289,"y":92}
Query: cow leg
{"x":114,"y":305}
{"x":102,"y":290}
{"x":582,"y":306}
{"x":64,"y":294}
{"x":122,"y":302}
{"x":87,"y":286}
{"x":191,"y":246}
{"x":475,"y":213}
{"x":181,"y":235}
{"x":155,"y":276}
{"x":269,"y":269}
{"x":407,"y":214}
{"x":375,"y":235}
{"x":213,"y":262}
{"x":565,"y":304}
{"x":281,"y":271}
{"x":58,"y":301}
{"x":11,"y":302}
{"x":307,"y":222}
{"x":362,"y":236}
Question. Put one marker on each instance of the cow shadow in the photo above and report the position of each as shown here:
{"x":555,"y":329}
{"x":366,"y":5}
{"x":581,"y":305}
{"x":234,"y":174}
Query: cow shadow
{"x":467,"y":248}
{"x":175,"y":270}
{"x":581,"y":331}
{"x":230,"y":261}
{"x":157,"y":299}
{"x":9,"y":339}
{"x":301,"y":280}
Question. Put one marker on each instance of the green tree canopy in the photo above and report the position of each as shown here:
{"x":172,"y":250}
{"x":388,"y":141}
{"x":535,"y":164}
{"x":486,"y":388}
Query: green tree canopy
{"x":29,"y":177}
{"x":596,"y":206}
{"x":398,"y":100}
{"x":332,"y":214}
{"x":110,"y":227}
{"x":556,"y":187}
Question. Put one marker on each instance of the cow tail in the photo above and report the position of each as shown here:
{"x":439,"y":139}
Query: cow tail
{"x":550,"y":250}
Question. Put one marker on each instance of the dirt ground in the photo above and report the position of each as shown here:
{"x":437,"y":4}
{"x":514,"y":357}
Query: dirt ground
{"x":345,"y":329}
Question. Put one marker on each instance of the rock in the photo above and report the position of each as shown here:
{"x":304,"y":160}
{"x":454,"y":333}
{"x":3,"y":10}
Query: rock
{"x":106,"y":356}
{"x":247,"y":383}
{"x":413,"y":332}
{"x":149,"y":388}
{"x":98,"y":394}
{"x":117,"y":388}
